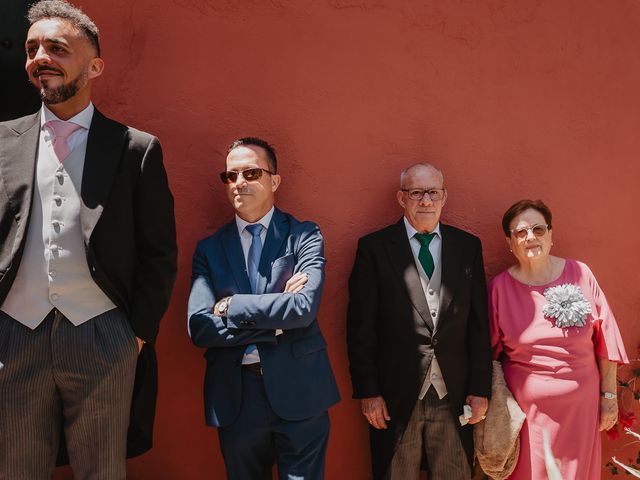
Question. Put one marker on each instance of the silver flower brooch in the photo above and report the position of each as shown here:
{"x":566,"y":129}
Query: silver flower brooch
{"x":567,"y":306}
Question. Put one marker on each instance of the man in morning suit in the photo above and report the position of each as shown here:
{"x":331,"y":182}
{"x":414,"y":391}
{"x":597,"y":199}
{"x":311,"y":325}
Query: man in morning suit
{"x":87,"y":264}
{"x":255,"y":293}
{"x":417,"y":333}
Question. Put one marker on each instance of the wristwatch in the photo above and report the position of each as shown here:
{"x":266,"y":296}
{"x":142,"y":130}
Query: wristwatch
{"x":609,"y":395}
{"x":224,"y":306}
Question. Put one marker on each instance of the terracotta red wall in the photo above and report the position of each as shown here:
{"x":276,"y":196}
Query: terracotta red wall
{"x":511,"y":98}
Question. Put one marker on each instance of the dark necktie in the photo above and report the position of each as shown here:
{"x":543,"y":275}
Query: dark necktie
{"x":255,"y":251}
{"x":425,"y":257}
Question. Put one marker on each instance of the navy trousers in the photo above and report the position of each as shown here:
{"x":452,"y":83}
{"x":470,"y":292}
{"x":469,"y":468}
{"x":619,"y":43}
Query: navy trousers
{"x":259,"y":438}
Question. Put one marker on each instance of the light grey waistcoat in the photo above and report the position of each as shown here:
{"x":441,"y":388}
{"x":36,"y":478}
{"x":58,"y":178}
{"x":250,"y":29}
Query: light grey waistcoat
{"x":432,"y":294}
{"x":54,"y":271}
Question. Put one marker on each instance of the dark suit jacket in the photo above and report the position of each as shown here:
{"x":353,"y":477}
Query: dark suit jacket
{"x":128,"y":227}
{"x":391,"y":337}
{"x":296,"y":370}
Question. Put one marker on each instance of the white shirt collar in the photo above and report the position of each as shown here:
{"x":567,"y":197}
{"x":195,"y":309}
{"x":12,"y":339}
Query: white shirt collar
{"x":412,"y":231}
{"x":264,"y":221}
{"x":83,"y":118}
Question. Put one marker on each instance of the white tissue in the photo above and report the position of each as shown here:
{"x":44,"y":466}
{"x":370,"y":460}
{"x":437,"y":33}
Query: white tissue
{"x":466,"y":415}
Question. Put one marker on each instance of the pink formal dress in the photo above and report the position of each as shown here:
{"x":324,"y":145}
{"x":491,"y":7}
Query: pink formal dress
{"x":553,"y":372}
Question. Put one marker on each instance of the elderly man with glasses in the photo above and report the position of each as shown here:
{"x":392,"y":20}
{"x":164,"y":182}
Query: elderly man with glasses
{"x":418,"y":336}
{"x":255,"y":293}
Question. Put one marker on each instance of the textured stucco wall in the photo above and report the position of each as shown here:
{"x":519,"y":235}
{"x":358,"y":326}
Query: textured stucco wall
{"x":511,"y":98}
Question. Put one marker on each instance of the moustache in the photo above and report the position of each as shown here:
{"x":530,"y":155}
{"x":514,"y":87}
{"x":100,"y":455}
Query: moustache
{"x":38,"y":71}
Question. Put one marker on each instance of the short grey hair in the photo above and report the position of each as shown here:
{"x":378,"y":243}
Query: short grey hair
{"x":406,"y":171}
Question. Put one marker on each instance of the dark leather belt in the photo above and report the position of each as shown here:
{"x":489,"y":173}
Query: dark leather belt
{"x":252,"y":367}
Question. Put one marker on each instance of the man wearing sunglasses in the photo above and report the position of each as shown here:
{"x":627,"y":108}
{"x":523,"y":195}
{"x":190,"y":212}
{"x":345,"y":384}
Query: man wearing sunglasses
{"x":255,"y":293}
{"x":418,"y":336}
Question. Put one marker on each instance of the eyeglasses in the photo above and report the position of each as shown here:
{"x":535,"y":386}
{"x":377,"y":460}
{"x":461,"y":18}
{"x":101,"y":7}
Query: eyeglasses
{"x":434,"y":194}
{"x":250,"y":175}
{"x":539,"y":230}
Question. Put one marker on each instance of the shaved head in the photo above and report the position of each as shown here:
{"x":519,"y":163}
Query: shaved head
{"x":413,"y":169}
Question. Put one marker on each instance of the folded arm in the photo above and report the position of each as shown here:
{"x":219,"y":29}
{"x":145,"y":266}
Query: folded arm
{"x":285,"y":310}
{"x":207,"y":329}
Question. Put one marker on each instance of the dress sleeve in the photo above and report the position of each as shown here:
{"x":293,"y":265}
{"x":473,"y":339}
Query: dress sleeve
{"x":606,"y":335}
{"x":494,"y":324}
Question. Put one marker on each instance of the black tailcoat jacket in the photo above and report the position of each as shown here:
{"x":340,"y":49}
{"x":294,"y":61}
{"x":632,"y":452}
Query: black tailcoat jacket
{"x":128,"y":227}
{"x":391,"y":336}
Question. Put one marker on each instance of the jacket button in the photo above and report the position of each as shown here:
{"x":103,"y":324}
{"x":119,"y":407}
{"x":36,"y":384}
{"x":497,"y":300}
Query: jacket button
{"x":434,"y":342}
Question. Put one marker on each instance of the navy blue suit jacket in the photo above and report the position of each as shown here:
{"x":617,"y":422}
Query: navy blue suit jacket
{"x":296,"y":370}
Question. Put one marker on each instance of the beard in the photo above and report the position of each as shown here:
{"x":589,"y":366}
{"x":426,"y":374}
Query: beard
{"x":55,"y":95}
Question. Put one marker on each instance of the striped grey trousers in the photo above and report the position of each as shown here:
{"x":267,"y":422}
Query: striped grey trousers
{"x":58,"y":376}
{"x":431,"y":432}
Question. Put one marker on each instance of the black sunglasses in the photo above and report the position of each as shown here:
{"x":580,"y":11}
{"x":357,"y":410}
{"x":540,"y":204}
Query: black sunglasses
{"x":250,"y":175}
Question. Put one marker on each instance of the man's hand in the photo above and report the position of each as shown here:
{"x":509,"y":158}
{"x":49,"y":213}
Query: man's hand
{"x":296,"y":282}
{"x":608,"y":413}
{"x":140,"y":344}
{"x":478,"y":406}
{"x":375,"y":410}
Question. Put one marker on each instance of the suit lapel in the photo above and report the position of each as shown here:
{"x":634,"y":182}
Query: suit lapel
{"x":450,"y":268}
{"x":18,"y":161}
{"x":105,"y":147}
{"x":235,"y":257}
{"x":405,"y":268}
{"x":276,"y":235}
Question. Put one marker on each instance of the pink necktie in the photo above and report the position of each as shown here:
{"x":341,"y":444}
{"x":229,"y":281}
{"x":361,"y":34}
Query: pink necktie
{"x":61,"y":132}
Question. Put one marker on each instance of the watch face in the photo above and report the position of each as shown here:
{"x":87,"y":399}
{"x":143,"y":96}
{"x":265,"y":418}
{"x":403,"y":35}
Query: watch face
{"x":609,"y":395}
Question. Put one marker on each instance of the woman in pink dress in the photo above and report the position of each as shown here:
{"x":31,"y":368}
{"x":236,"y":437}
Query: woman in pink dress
{"x":559,"y":344}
